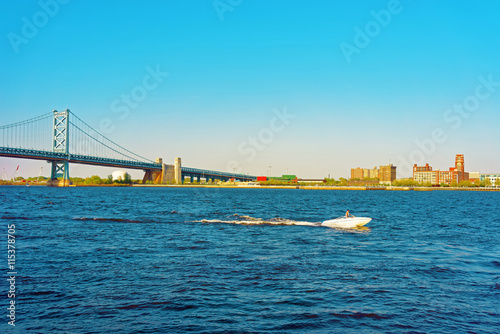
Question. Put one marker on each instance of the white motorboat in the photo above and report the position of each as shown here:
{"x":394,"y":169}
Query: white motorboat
{"x":346,"y":222}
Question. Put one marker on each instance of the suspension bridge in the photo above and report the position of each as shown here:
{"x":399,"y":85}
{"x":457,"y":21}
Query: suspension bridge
{"x":61,"y":138}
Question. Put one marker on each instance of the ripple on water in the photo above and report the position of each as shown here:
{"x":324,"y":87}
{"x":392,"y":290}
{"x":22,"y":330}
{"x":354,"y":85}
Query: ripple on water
{"x":147,"y":260}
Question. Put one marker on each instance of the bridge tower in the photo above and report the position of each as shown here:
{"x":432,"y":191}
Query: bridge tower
{"x":60,"y":144}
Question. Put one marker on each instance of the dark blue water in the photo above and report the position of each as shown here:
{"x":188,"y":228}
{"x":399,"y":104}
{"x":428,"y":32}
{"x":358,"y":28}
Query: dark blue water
{"x":165,"y":260}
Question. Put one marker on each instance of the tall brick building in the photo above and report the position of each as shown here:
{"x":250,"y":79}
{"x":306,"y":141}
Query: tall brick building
{"x":387,"y":173}
{"x":362,"y":173}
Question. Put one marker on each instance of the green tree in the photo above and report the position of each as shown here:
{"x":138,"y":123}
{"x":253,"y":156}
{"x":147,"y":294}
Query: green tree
{"x":465,"y":184}
{"x":330,"y":182}
{"x":406,"y":183}
{"x":94,"y":179}
{"x":77,"y":180}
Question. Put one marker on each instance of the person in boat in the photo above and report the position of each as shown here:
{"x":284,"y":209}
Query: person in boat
{"x":348,"y":215}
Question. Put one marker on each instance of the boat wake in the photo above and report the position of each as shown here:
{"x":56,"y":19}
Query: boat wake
{"x":247,"y":220}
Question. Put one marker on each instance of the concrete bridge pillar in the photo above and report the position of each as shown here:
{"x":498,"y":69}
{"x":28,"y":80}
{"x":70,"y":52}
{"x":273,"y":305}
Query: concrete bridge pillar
{"x":168,"y":174}
{"x":163,"y":176}
{"x":155,"y":176}
{"x":178,"y":177}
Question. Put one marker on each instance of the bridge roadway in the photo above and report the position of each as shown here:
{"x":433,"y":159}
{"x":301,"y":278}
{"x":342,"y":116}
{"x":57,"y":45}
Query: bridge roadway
{"x":205,"y":173}
{"x":117,"y":163}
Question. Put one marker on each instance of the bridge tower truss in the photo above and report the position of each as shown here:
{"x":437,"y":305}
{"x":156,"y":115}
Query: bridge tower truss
{"x":60,"y":144}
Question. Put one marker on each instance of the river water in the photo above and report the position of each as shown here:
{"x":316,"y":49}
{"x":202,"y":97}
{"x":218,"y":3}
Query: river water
{"x":176,"y":260}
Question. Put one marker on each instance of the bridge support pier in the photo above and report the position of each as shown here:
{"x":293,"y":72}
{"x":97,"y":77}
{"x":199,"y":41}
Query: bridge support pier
{"x":154,"y":176}
{"x":59,"y":169}
{"x":168,"y":174}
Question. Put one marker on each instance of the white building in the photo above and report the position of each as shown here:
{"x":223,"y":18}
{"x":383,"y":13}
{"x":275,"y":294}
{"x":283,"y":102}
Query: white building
{"x":119,"y":175}
{"x":474,"y":175}
{"x":492,"y":177}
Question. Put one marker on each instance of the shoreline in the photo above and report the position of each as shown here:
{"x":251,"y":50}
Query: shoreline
{"x":387,"y":188}
{"x":298,"y":187}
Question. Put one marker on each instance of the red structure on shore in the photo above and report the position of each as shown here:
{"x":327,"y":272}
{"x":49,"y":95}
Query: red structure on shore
{"x":426,"y":174}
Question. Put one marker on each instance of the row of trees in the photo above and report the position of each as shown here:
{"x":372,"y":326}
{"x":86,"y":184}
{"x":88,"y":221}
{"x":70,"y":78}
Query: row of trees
{"x":370,"y":182}
{"x":93,"y":180}
{"x":462,"y":184}
{"x":409,"y":182}
{"x":366,"y":179}
{"x":327,"y":182}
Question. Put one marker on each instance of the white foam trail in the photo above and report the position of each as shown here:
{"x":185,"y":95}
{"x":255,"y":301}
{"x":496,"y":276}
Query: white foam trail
{"x":247,"y":220}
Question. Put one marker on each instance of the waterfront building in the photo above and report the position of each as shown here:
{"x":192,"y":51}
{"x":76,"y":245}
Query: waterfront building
{"x":426,"y":174}
{"x":474,"y":176}
{"x":425,"y":168}
{"x":493,"y":178}
{"x":387,"y":174}
{"x":119,"y":175}
{"x":374,"y":173}
{"x":357,"y":173}
{"x":363,"y":173}
{"x":459,"y":163}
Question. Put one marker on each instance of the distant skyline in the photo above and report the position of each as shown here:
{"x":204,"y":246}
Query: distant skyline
{"x":312,"y":89}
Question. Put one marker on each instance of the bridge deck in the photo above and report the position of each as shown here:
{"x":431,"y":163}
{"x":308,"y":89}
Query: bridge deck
{"x":97,"y":161}
{"x":215,"y":174}
{"x":80,"y":159}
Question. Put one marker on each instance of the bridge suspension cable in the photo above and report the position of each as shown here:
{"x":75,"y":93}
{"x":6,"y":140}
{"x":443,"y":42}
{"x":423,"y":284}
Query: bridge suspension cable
{"x":85,"y":140}
{"x":33,"y":133}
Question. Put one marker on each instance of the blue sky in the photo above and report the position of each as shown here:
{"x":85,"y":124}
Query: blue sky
{"x":232,"y":65}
